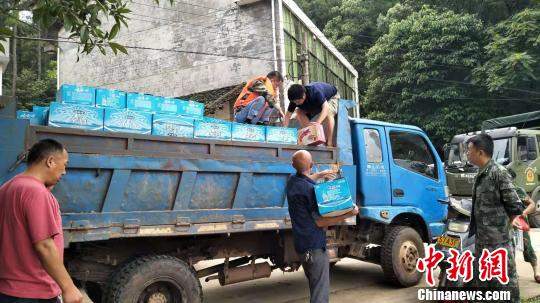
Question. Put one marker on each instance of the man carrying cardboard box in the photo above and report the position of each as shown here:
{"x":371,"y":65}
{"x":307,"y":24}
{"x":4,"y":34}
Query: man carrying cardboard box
{"x":308,"y":225}
{"x":317,"y":101}
{"x":257,"y":102}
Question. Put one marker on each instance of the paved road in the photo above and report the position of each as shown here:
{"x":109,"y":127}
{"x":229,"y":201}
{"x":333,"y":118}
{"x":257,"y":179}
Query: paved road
{"x":351,"y":281}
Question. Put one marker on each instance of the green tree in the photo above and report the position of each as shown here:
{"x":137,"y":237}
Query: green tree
{"x":354,"y":29}
{"x":319,"y":11}
{"x":420,"y":73}
{"x":513,"y":67}
{"x":82,"y":20}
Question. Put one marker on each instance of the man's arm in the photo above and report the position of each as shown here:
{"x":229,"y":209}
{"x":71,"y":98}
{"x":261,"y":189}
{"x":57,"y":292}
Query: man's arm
{"x":50,"y":259}
{"x":531,"y":208}
{"x":330,"y":221}
{"x":510,"y":199}
{"x":287,"y":119}
{"x":324,"y":113}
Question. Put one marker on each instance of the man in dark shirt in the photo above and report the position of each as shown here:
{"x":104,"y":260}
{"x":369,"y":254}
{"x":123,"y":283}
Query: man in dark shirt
{"x":309,"y":227}
{"x":318,"y":101}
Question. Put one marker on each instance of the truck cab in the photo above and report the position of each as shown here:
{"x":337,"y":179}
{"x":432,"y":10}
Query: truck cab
{"x":516,"y":149}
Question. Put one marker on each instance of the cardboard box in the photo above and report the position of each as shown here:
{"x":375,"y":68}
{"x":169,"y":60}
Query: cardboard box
{"x":167,"y":105}
{"x":214,"y":120}
{"x":334,"y":198}
{"x":191,"y":109}
{"x":281,"y":135}
{"x":172,"y":125}
{"x":248,"y":132}
{"x":210,"y":130}
{"x":77,"y":94}
{"x":75,"y":116}
{"x":28,"y":115}
{"x":312,"y":135}
{"x":127,"y":121}
{"x":110,"y":98}
{"x":42,"y":114}
{"x":141,"y":102}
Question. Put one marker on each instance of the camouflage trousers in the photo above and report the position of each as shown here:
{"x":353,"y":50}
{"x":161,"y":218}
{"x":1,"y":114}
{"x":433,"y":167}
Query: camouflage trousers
{"x":494,"y":284}
{"x":528,"y":252}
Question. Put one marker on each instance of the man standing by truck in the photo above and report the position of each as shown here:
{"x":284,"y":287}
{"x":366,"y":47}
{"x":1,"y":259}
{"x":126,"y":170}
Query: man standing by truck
{"x":495,"y":207}
{"x":318,"y":101}
{"x":309,"y":227}
{"x":31,"y":238}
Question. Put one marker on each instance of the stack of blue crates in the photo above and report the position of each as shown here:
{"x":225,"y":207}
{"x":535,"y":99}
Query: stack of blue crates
{"x":85,"y":107}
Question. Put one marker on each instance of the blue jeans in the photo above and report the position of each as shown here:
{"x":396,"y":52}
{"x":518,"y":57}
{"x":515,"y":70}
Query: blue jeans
{"x":251,"y":113}
{"x":9,"y":299}
{"x":317,"y":270}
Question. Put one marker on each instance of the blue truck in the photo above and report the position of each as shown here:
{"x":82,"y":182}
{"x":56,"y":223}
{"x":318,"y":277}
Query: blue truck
{"x":140,"y":211}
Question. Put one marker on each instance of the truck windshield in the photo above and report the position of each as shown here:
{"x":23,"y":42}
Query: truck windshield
{"x":456,"y":157}
{"x":501,"y":150}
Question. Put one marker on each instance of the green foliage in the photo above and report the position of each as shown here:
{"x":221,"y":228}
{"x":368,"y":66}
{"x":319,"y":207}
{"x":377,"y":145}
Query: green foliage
{"x":354,"y":30}
{"x":81,"y":19}
{"x":319,"y":11}
{"x":513,"y":67}
{"x":415,"y":73}
{"x":33,"y":91}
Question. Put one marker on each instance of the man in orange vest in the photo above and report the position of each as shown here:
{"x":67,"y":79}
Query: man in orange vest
{"x":258,"y":100}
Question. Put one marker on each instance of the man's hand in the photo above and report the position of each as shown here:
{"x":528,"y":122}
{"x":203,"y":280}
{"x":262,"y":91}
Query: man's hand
{"x":73,"y":295}
{"x":325,"y":174}
{"x":355,"y":211}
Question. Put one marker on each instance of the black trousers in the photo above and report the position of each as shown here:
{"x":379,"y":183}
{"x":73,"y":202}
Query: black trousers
{"x":9,"y":299}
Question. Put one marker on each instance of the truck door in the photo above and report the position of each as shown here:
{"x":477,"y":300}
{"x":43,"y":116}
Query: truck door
{"x":417,"y":178}
{"x":374,"y":181}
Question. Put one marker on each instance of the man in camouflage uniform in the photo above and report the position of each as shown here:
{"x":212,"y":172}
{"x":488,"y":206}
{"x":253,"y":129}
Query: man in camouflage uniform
{"x":528,"y":252}
{"x":495,"y":206}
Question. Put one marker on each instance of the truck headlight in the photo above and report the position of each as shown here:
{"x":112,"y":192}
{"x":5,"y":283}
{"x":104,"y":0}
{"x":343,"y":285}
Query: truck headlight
{"x":458,"y":226}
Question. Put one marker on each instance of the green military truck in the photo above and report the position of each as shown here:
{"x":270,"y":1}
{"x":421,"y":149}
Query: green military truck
{"x":516,"y":146}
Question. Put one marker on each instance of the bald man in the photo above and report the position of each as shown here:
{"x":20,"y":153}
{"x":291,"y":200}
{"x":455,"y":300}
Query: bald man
{"x":309,"y":228}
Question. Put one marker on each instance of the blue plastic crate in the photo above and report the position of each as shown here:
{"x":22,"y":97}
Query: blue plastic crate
{"x":110,"y":98}
{"x":75,"y":116}
{"x":172,"y":125}
{"x":248,"y":132}
{"x":127,"y":121}
{"x":334,"y":198}
{"x":281,"y":135}
{"x":191,"y":109}
{"x":210,"y":130}
{"x":77,"y":94}
{"x":167,"y":105}
{"x":141,"y":102}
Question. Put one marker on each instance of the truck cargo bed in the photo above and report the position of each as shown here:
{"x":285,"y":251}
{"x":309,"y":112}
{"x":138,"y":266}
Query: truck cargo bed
{"x":128,"y":185}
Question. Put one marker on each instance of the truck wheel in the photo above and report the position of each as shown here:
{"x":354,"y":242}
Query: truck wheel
{"x":534,"y":219}
{"x":402,"y":246}
{"x":155,"y":279}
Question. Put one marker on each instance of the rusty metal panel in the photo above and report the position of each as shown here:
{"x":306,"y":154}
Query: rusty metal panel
{"x":171,"y":147}
{"x":247,"y":152}
{"x":150,"y":191}
{"x":214,"y":190}
{"x":185,"y":190}
{"x":83,"y":190}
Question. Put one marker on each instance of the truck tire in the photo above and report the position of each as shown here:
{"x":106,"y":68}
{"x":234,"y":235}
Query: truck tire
{"x":534,"y":219}
{"x":402,"y":246}
{"x":159,"y":278}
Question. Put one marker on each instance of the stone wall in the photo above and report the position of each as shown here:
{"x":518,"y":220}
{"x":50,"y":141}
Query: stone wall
{"x":189,"y":25}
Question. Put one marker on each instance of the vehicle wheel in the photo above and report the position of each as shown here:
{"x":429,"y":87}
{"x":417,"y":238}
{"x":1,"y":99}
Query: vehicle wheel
{"x":401,"y":249}
{"x":155,"y":279}
{"x":534,"y":220}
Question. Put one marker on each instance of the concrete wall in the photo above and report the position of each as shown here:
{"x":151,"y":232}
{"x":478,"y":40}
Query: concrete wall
{"x":226,"y":29}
